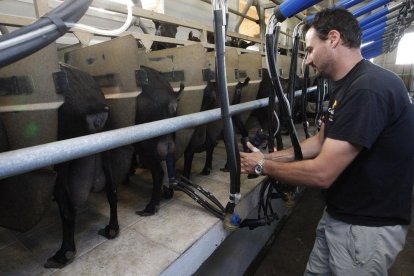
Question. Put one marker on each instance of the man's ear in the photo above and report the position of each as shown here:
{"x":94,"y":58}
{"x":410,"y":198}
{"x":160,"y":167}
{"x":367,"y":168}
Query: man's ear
{"x":334,"y":38}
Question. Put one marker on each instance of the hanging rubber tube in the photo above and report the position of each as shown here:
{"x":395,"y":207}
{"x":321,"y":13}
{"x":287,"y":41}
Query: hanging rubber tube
{"x":293,"y":66}
{"x":68,"y":11}
{"x":304,"y":100}
{"x":220,"y":18}
{"x":287,"y":9}
{"x":271,"y":42}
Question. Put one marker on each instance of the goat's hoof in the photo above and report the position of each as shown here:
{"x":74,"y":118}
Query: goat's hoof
{"x":168,"y":193}
{"x":225,"y":169}
{"x":60,"y":260}
{"x":148,"y":211}
{"x":205,"y":172}
{"x":109,"y":232}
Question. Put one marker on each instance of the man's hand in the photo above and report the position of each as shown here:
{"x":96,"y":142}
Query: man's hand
{"x":249,"y":160}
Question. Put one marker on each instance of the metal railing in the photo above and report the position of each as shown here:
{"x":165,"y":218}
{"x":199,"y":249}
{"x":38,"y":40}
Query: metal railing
{"x":27,"y":159}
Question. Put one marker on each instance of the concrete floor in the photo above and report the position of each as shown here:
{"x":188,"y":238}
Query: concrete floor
{"x":288,"y":251}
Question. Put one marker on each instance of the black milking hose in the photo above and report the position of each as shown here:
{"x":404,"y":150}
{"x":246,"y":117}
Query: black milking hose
{"x":69,"y":11}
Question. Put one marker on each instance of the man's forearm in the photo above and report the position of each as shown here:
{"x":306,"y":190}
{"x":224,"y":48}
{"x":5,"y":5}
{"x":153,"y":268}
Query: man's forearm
{"x":310,"y":149}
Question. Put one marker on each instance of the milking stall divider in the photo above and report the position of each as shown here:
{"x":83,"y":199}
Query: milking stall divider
{"x":26,"y":157}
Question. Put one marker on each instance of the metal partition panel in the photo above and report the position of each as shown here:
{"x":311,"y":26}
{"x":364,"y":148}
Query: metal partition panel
{"x":113,"y":64}
{"x":232,"y":66}
{"x":28,"y":101}
{"x":28,"y":110}
{"x":250,"y":65}
{"x":183,"y":64}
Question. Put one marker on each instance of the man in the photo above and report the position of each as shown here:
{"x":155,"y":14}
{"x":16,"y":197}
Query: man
{"x":363,"y":155}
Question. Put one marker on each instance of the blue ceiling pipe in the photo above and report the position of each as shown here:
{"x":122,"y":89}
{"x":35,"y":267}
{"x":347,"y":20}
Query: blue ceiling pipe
{"x":382,"y":45}
{"x":292,"y":7}
{"x":374,"y":29}
{"x":374,"y":16}
{"x":374,"y":23}
{"x":373,"y":36}
{"x":373,"y":53}
{"x":375,"y":44}
{"x":379,"y":32}
{"x":365,"y":22}
{"x":378,"y":47}
{"x":381,"y":27}
{"x":380,"y":20}
{"x":359,"y":11}
{"x":369,"y":7}
{"x":344,"y":4}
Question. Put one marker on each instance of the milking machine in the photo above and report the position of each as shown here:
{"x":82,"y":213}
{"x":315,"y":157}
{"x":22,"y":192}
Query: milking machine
{"x":272,"y":188}
{"x":196,"y":192}
{"x":220,"y":11}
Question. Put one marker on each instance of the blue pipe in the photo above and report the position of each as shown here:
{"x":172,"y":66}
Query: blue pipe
{"x":373,"y":36}
{"x":372,"y":54}
{"x":375,"y":52}
{"x":373,"y":23}
{"x":381,"y":44}
{"x":377,"y":32}
{"x":378,"y":21}
{"x":347,"y":3}
{"x":372,"y":17}
{"x":374,"y":29}
{"x":373,"y":45}
{"x":292,"y":7}
{"x":369,"y":7}
{"x":344,"y":4}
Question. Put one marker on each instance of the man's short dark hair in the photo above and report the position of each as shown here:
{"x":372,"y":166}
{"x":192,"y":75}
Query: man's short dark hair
{"x":338,"y":19}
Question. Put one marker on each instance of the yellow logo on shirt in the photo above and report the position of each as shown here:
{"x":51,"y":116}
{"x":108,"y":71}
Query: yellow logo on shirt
{"x":331,"y":112}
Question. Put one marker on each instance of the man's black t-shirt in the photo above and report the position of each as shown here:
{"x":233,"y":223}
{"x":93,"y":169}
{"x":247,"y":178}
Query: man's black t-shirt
{"x":370,"y":107}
